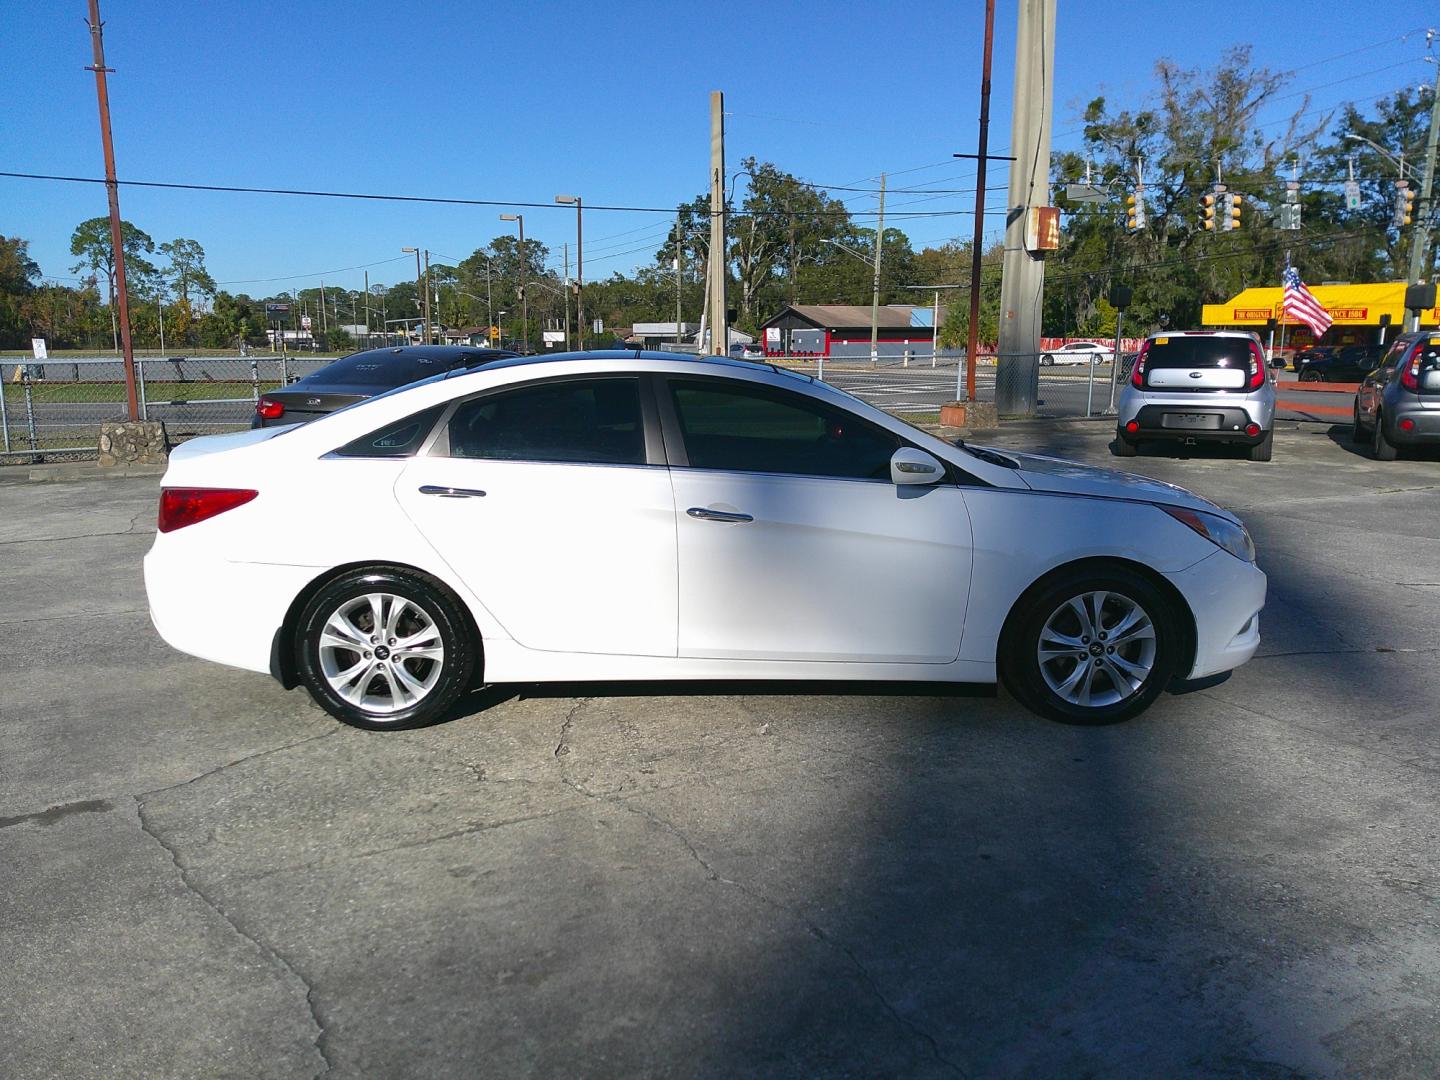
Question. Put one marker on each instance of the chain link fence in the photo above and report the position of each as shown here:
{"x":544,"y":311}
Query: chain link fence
{"x":52,"y":410}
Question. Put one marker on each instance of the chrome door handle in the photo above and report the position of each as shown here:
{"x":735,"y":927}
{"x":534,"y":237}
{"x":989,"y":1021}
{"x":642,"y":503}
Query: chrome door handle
{"x":451,"y":492}
{"x":716,"y":515}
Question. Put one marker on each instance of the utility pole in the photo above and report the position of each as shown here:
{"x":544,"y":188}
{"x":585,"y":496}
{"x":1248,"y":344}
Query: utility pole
{"x":972,"y":340}
{"x":112,"y":190}
{"x":1022,"y":289}
{"x":567,"y":295}
{"x":719,"y":326}
{"x":367,"y":309}
{"x":875,"y":281}
{"x":427,"y":296}
{"x":679,"y":272}
{"x":1420,"y":240}
{"x":419,"y":285}
{"x":519,"y":220}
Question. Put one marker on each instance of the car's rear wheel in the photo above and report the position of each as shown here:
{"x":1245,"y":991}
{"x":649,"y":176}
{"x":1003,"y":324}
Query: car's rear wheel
{"x":1309,"y":376}
{"x":1090,"y":647}
{"x":1121,"y":448}
{"x":384,"y":648}
{"x":1047,"y":361}
{"x":1262,"y":450}
{"x":1358,"y":434}
{"x":1381,"y":448}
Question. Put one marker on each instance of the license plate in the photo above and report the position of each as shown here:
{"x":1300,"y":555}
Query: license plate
{"x":1191,"y":421}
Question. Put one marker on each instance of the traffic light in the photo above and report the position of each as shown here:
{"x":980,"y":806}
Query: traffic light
{"x":1290,"y":208}
{"x":1135,"y":210}
{"x":1231,"y":222}
{"x":1207,"y":212}
{"x":1404,"y":204}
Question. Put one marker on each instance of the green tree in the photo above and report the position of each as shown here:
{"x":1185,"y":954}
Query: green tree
{"x":18,"y":273}
{"x":186,"y":273}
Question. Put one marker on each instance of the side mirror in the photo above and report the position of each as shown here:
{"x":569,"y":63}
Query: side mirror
{"x":911,"y":466}
{"x":1278,"y":362}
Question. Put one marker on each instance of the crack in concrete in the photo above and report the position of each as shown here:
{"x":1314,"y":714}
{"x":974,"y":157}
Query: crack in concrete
{"x":562,"y":748}
{"x":77,"y":536}
{"x":83,"y":615}
{"x":322,"y":1033}
{"x":814,"y":929}
{"x":239,"y":761}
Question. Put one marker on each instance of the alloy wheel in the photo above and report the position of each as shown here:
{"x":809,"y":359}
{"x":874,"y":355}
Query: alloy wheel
{"x":381,"y":653}
{"x":1097,"y":649}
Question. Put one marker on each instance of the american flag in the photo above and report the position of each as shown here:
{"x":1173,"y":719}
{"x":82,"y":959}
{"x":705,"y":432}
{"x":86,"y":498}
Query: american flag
{"x":1301,"y":304}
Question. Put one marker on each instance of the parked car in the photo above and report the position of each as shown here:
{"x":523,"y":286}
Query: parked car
{"x":1311,"y":353}
{"x":1398,"y":404}
{"x":1078,"y":352}
{"x":627,"y":515}
{"x":1349,"y":363}
{"x":361,"y":375}
{"x":1192,"y":386}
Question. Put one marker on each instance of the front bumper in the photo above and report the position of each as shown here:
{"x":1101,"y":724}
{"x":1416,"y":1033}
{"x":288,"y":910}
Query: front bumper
{"x":1225,"y":596}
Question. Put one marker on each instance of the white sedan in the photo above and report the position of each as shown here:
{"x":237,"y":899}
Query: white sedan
{"x":1078,"y":352}
{"x":626,"y":515}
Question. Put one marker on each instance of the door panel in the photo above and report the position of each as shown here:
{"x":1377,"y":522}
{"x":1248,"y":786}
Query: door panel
{"x":566,"y":557}
{"x":826,"y":569}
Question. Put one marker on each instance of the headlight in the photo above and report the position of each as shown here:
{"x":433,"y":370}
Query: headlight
{"x":1222,"y":532}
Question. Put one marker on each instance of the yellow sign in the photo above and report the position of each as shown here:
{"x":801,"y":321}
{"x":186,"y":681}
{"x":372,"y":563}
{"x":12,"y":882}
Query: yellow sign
{"x":1246,"y":314}
{"x":1162,"y":341}
{"x":1349,"y":314}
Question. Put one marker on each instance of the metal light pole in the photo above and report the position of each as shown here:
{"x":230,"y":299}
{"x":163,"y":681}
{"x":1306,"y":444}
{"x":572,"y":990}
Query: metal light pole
{"x":519,"y":220}
{"x":875,"y":283}
{"x":112,"y":191}
{"x":972,"y":338}
{"x":419,"y":283}
{"x":1420,"y":240}
{"x":566,"y":200}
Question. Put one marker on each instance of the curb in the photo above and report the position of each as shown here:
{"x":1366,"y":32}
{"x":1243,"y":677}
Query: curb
{"x":74,"y":470}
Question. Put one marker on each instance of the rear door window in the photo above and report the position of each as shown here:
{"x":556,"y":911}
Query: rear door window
{"x":589,"y":421}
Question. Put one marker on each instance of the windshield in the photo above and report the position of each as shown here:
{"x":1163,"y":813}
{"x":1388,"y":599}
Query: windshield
{"x":1198,"y":352}
{"x":376,"y":369}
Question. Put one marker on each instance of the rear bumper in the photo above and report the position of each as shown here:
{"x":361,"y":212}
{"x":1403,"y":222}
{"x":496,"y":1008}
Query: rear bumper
{"x":1424,"y":432}
{"x":217,"y":610}
{"x":1161,"y":422}
{"x":1225,"y":596}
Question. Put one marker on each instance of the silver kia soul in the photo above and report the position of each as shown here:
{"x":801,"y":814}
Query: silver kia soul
{"x":1191,"y":386}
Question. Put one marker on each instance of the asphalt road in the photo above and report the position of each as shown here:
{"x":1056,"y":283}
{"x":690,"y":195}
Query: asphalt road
{"x":205,"y":876}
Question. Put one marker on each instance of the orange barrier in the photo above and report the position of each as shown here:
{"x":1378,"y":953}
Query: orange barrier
{"x":1321,"y":387}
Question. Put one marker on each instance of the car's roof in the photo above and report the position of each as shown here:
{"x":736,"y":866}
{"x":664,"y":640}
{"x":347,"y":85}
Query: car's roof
{"x":631,"y":354}
{"x":1203,"y":333}
{"x":437,"y":352}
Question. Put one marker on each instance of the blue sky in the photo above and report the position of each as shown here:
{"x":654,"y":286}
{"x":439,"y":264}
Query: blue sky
{"x":513,"y":100}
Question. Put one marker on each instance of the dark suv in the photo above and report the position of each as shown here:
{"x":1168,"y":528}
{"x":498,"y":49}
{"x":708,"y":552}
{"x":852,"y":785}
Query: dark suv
{"x":1350,"y":363}
{"x":1398,"y":404}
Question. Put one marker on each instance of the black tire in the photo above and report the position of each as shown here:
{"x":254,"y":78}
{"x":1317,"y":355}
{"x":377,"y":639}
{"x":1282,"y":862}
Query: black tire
{"x":1047,"y":361}
{"x":1019,"y":663}
{"x":1121,"y":448}
{"x":428,"y":607}
{"x":1262,"y":450}
{"x":1309,"y":376}
{"x":1381,"y":448}
{"x":1359,"y":435}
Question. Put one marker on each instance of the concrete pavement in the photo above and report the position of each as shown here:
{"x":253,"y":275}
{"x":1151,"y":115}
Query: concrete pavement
{"x":204,"y":875}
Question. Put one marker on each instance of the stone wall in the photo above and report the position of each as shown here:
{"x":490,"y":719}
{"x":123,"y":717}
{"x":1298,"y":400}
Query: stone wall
{"x":133,"y":442}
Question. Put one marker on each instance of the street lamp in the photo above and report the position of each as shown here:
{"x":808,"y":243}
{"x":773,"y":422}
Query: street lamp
{"x":1399,"y":163}
{"x":565,"y":200}
{"x":420,"y":290}
{"x":519,"y":220}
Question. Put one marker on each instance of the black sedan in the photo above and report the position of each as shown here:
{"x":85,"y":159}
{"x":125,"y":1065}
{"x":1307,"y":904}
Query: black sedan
{"x":1348,"y":364}
{"x":362,"y":375}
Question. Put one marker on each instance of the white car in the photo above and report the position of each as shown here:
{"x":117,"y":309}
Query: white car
{"x":625,"y":515}
{"x":1079,"y":352}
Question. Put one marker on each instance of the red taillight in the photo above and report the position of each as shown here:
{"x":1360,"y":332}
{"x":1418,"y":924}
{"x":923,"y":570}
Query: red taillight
{"x":1407,"y":424}
{"x":268,"y":409}
{"x":1252,"y":430}
{"x":1410,"y":374}
{"x":1257,"y":367}
{"x":1137,"y":373}
{"x":185,"y":506}
{"x":1132,"y":426}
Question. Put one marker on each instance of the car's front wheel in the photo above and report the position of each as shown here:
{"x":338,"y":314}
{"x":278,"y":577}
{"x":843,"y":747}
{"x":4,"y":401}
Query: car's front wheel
{"x":1358,"y":434}
{"x":1381,"y":448}
{"x":1047,"y":361}
{"x":1090,"y":647}
{"x":384,"y":648}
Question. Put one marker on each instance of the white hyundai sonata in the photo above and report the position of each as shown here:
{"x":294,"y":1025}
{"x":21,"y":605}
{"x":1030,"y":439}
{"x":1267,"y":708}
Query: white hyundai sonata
{"x":630,"y":515}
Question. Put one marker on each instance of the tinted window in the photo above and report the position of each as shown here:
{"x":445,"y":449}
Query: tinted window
{"x":1198,"y":352}
{"x":593,"y":421}
{"x":401,"y":439}
{"x":380,"y":368}
{"x":745,"y":429}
